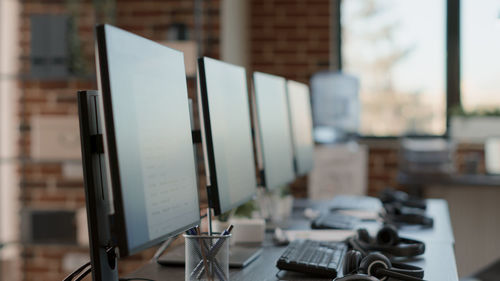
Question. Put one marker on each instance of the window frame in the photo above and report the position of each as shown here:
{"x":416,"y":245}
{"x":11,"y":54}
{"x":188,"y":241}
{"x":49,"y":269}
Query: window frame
{"x":452,"y":62}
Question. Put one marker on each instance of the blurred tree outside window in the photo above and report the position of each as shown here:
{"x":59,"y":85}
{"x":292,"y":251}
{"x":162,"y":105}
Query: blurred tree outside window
{"x":397,"y":50}
{"x":480,"y":54}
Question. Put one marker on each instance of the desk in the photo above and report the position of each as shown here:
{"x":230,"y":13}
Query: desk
{"x":438,"y":260}
{"x":473,"y":207}
{"x":436,"y":208}
{"x":448,"y":180}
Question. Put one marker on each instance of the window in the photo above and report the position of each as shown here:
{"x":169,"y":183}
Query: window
{"x":49,"y":46}
{"x":397,"y":50}
{"x":480,"y":54}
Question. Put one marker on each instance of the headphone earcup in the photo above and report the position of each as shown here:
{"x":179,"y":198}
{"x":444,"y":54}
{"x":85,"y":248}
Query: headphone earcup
{"x":352,"y":260}
{"x":394,"y":208}
{"x":372,"y":262}
{"x":387,"y":236}
{"x":407,"y":269}
{"x":363,"y":235}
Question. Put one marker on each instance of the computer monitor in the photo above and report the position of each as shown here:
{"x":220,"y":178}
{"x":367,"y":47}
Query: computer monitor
{"x":273,"y":135}
{"x":226,"y":134}
{"x":301,"y":120}
{"x":147,"y":139}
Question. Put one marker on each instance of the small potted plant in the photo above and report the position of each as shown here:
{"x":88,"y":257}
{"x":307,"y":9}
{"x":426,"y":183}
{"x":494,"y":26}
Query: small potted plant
{"x":283,"y":204}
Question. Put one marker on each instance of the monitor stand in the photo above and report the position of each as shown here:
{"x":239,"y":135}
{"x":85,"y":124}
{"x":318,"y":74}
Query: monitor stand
{"x":102,"y":251}
{"x":239,"y":255}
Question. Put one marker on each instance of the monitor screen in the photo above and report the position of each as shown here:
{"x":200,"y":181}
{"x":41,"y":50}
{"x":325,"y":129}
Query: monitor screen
{"x":226,"y":133}
{"x":273,"y":130}
{"x":301,"y":119}
{"x":147,"y":138}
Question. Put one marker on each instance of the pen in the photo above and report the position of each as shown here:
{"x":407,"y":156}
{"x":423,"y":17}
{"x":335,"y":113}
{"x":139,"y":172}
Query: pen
{"x":209,"y":214}
{"x":216,"y":247}
{"x":204,"y":258}
{"x":210,"y":255}
{"x":228,"y":230}
{"x":212,"y":252}
{"x":191,"y":231}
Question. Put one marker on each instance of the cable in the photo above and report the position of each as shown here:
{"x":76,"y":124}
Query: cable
{"x":85,"y":273}
{"x":77,"y":271}
{"x":135,"y":278}
{"x":162,"y":248}
{"x":390,"y":273}
{"x":81,"y":268}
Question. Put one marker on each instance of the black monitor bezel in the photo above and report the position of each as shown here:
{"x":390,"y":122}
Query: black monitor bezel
{"x":213,"y":188}
{"x":119,"y":223}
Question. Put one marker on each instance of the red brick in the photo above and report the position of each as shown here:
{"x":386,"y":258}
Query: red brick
{"x":36,"y":269}
{"x":70,"y":183}
{"x":53,"y":169}
{"x":45,"y":85}
{"x":56,"y":198}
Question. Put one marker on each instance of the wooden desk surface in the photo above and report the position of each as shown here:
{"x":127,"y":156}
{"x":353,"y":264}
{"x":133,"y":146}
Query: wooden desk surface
{"x":438,"y":260}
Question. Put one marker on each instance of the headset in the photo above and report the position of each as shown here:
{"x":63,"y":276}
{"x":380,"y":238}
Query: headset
{"x":397,"y":214}
{"x":389,"y":196}
{"x":387,"y":241}
{"x":377,"y":267}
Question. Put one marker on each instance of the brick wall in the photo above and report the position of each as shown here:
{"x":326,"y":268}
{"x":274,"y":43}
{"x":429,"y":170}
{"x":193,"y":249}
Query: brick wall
{"x":469,"y":158}
{"x":43,"y":184}
{"x":290,"y":38}
{"x":382,"y":168}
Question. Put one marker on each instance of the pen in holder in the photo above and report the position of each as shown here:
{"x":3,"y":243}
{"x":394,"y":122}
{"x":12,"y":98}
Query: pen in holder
{"x":207,"y":257}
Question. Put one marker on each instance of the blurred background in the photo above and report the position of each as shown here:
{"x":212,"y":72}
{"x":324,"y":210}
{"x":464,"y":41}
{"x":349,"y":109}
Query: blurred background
{"x":426,"y":78}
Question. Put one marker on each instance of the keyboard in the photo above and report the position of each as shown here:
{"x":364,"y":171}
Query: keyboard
{"x":313,"y":257}
{"x":355,"y":202}
{"x":335,"y":221}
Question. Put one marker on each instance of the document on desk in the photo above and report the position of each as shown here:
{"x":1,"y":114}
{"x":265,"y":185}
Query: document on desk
{"x":319,"y":235}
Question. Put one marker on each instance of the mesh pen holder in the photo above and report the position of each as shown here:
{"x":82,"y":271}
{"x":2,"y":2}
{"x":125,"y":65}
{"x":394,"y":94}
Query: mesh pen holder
{"x":207,"y":257}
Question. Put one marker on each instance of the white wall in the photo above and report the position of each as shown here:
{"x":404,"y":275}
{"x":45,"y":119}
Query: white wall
{"x":9,"y":186}
{"x":235,"y":47}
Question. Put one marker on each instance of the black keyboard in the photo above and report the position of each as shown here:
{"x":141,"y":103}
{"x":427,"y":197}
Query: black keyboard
{"x":335,"y":221}
{"x":313,"y":257}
